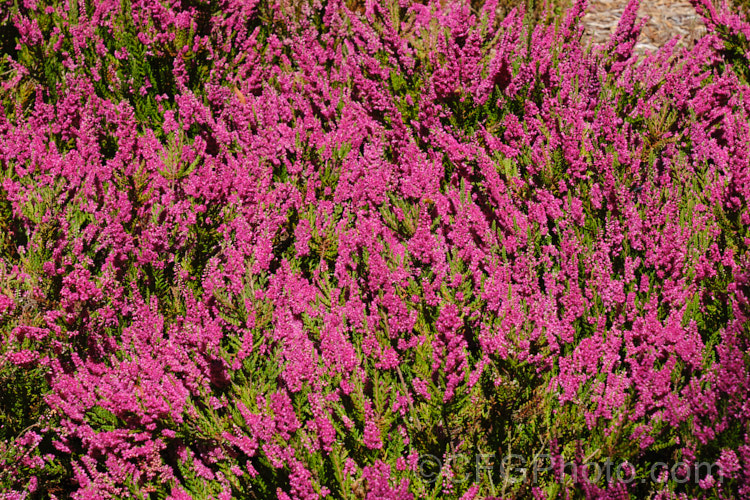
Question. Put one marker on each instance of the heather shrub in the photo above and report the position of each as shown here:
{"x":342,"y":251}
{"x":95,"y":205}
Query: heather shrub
{"x":296,"y":249}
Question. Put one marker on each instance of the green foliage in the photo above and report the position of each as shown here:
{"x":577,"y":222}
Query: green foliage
{"x":21,"y":403}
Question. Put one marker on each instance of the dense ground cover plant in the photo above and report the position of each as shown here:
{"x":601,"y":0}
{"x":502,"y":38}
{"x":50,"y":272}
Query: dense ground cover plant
{"x":284,"y":249}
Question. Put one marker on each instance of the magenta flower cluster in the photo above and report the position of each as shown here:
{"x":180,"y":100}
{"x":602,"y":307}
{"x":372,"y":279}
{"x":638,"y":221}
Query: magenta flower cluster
{"x":279,"y":249}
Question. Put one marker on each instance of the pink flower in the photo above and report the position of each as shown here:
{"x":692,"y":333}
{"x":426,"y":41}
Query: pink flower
{"x":372,"y":437}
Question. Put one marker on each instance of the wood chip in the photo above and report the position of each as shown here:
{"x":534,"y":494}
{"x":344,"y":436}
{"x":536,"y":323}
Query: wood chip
{"x":666,"y":19}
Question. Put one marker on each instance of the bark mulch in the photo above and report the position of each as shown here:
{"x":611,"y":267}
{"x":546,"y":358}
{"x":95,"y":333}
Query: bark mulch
{"x":667,"y":19}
